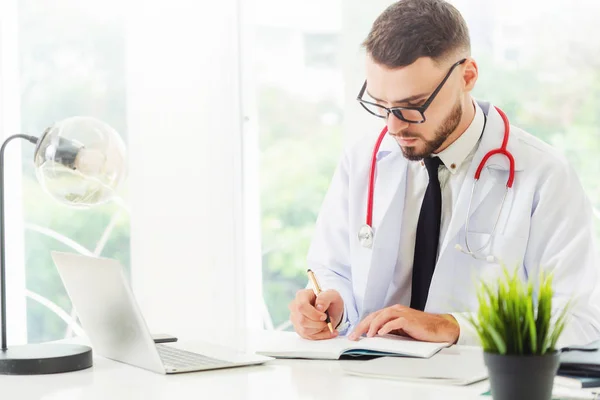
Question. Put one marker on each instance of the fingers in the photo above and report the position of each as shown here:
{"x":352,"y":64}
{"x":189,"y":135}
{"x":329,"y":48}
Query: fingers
{"x":363,"y":327}
{"x":305,"y":296}
{"x":324,"y":299}
{"x":397,"y":324}
{"x":307,"y":333}
{"x":379,"y":321}
{"x":304,"y":305}
{"x":308,"y":322}
{"x":305,"y":327}
{"x":375,"y":321}
{"x":315,"y":334}
{"x":326,"y":334}
{"x":300,"y":320}
{"x":332,"y":302}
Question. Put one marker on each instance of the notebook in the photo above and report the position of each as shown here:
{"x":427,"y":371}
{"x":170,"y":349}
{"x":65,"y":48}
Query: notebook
{"x":577,"y":382}
{"x":581,"y":361}
{"x":290,"y":345}
{"x":439,"y":369}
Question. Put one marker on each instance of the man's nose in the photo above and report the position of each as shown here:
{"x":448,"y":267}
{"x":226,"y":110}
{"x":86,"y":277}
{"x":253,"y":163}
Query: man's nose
{"x":395,"y":125}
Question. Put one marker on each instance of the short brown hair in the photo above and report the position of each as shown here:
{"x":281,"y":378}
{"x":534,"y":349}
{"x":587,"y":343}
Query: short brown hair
{"x":411,"y":29}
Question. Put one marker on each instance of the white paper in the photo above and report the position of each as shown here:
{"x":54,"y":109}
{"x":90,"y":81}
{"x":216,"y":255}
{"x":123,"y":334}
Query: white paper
{"x":453,"y":366}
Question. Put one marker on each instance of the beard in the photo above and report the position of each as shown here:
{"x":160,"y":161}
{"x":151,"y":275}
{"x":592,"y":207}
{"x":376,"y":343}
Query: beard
{"x":445,"y":129}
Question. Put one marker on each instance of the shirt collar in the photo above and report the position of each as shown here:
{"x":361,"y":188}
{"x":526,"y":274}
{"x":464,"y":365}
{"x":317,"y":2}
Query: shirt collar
{"x":455,"y":154}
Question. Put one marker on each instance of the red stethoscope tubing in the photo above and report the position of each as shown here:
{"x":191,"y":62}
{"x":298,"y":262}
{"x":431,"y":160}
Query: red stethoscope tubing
{"x":501,"y":150}
{"x":372,"y":176}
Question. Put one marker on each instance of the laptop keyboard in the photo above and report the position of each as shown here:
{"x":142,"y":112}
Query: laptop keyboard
{"x":178,"y":358}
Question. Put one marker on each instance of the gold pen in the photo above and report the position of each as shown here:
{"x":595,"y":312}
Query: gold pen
{"x":317,"y":290}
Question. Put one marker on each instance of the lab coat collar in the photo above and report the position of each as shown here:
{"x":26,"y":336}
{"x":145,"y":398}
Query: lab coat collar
{"x":388,"y":146}
{"x":492,"y":139}
{"x":456,"y":154}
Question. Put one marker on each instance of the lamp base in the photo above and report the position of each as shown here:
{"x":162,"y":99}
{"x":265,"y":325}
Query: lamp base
{"x":47,"y":358}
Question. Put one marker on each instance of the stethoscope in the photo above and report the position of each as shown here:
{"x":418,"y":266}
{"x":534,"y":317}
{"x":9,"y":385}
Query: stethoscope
{"x":366,"y":234}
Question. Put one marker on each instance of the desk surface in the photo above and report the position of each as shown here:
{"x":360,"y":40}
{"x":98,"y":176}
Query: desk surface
{"x":279,"y":379}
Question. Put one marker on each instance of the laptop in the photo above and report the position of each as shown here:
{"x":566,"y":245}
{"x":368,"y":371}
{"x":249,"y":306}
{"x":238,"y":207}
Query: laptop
{"x":111,"y":318}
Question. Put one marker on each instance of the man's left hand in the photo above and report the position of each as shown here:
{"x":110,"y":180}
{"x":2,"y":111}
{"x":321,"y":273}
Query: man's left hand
{"x":406,"y":321}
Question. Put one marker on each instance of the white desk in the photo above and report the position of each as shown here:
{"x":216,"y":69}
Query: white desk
{"x":279,"y":379}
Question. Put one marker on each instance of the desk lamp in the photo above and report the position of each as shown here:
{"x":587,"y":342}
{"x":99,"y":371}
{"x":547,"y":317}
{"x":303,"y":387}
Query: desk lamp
{"x":80,"y":161}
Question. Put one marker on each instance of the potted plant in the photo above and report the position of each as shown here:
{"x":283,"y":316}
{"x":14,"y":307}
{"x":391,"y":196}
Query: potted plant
{"x":519,"y":333}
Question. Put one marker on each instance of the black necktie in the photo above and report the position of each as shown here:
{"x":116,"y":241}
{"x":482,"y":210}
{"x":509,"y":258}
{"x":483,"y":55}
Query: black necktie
{"x":428,"y":236}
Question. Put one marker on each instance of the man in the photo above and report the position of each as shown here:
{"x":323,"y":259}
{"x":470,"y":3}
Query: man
{"x":411,"y":278}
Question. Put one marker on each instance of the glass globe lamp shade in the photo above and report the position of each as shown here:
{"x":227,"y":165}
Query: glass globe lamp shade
{"x":81,"y":161}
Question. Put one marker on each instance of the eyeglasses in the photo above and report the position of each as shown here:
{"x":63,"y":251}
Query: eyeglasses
{"x":412,"y":115}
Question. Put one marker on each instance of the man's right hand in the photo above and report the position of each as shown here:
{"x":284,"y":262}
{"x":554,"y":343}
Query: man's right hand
{"x":308,"y":313}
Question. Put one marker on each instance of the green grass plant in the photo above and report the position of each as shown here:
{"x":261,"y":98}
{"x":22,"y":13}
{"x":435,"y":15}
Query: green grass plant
{"x":515,"y":319}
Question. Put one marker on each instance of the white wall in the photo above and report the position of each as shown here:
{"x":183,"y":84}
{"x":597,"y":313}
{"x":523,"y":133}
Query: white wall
{"x":184,"y":124}
{"x":10,"y":125}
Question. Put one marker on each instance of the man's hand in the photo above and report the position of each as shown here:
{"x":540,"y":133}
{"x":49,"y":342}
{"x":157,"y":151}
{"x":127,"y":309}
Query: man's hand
{"x":308,"y":313}
{"x":401,"y":320}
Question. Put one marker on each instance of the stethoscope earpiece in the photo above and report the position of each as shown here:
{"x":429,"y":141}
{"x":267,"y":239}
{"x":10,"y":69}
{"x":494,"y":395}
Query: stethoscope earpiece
{"x":490,"y":258}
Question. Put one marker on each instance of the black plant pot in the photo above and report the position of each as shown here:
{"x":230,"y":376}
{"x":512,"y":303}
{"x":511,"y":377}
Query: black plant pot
{"x":514,"y":377}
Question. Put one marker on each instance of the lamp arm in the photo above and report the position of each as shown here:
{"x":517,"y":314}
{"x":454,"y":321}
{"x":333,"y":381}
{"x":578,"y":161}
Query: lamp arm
{"x":33,"y":140}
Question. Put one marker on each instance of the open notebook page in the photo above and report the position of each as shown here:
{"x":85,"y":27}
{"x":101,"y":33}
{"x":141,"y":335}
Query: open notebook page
{"x":290,"y":345}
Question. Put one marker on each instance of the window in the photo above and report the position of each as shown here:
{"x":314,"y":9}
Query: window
{"x":321,"y":50}
{"x":299,"y":97}
{"x":71,"y":63}
{"x":545,"y":75}
{"x":549,"y":83}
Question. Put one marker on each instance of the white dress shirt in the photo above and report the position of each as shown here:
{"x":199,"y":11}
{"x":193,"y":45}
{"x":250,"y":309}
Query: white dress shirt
{"x":456,"y":159}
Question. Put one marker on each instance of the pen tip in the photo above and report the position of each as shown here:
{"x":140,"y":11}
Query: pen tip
{"x":330,"y":325}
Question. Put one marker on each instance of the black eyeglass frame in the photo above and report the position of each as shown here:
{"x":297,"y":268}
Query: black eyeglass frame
{"x":397,"y":111}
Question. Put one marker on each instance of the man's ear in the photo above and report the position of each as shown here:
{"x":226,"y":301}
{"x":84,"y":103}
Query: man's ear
{"x":470,"y":74}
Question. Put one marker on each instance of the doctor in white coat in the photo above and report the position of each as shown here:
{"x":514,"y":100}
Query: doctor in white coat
{"x":416,"y":275}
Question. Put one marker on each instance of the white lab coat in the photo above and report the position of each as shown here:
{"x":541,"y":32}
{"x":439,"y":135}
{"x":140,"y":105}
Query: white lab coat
{"x":546,"y":222}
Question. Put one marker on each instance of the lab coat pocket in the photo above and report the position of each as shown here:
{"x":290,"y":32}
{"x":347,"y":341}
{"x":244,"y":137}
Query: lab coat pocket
{"x":467,"y":272}
{"x":508,"y":252}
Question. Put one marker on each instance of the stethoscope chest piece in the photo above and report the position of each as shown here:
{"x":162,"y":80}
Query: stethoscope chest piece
{"x":365,"y":236}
